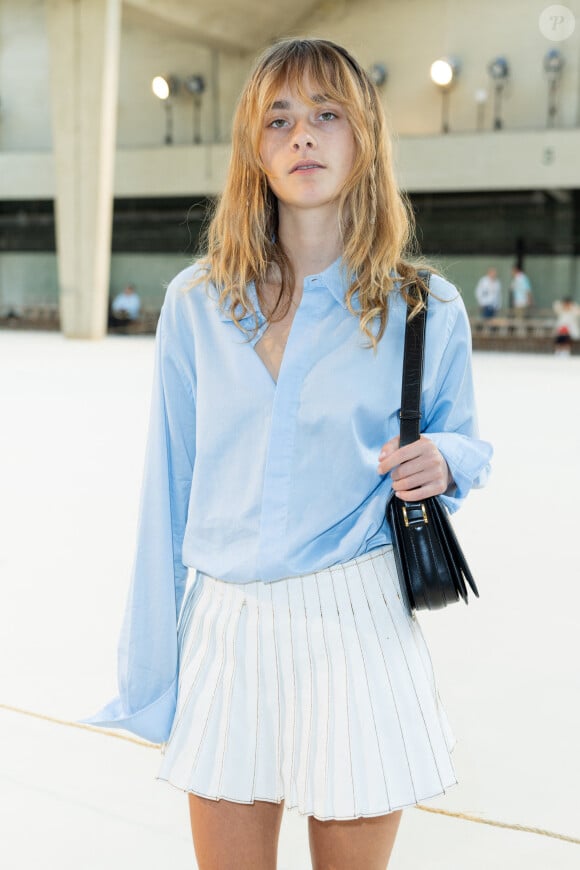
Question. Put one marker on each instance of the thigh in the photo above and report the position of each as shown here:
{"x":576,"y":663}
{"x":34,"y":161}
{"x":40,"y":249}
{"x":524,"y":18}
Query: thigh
{"x":233,"y":836}
{"x":357,"y":844}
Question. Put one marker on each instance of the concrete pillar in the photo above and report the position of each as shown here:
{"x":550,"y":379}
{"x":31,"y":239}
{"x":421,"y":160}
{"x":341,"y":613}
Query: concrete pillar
{"x":84,"y":38}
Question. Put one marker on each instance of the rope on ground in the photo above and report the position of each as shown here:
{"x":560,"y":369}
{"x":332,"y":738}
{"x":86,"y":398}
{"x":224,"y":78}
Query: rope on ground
{"x":84,"y":727}
{"x":527,"y":829}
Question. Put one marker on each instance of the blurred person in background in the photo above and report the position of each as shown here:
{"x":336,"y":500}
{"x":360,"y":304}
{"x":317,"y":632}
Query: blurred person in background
{"x":521,"y":291}
{"x":488,"y":293}
{"x":126,"y":306}
{"x":567,"y":325}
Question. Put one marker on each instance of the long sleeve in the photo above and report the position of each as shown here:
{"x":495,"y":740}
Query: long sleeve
{"x":450,"y":416}
{"x":147,"y":656}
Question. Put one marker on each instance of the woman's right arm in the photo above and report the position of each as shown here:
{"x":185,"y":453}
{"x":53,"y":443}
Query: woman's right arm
{"x":147,"y":655}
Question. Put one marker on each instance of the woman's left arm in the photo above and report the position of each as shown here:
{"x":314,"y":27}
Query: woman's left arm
{"x":449,"y":459}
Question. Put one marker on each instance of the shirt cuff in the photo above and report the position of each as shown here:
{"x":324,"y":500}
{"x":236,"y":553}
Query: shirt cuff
{"x":468,"y":460}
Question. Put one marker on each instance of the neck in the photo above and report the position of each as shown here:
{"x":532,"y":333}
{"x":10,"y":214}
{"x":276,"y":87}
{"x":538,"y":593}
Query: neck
{"x":311,"y":239}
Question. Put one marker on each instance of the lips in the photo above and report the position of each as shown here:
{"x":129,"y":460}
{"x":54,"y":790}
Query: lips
{"x":306,"y":164}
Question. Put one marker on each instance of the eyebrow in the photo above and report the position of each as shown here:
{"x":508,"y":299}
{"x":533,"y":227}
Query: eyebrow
{"x":285,"y":104}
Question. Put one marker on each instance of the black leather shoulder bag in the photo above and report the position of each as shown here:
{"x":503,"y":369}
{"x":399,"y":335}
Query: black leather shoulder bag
{"x":430,"y":563}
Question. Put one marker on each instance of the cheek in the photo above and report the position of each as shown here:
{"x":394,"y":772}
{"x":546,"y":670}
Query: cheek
{"x":268,"y":157}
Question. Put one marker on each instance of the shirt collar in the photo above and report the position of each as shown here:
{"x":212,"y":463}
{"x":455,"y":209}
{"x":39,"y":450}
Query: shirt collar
{"x":252,"y":294}
{"x":334,"y":278}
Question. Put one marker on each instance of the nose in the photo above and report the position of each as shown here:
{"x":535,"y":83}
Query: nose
{"x":303,"y":136}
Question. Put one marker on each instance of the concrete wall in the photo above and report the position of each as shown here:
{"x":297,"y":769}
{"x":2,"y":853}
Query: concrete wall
{"x":145,"y":54}
{"x":408,"y":35}
{"x":24,"y":85}
{"x":405,"y":34}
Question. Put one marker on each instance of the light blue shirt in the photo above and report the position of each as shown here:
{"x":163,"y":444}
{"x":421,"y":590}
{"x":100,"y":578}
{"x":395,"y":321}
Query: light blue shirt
{"x":249,"y":479}
{"x":128,"y":302}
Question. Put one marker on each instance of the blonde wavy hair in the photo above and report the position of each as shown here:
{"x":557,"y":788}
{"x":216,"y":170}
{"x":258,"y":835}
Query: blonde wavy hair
{"x":375,"y":217}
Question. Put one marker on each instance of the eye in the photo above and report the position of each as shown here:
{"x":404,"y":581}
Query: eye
{"x":328,"y":115}
{"x":277,"y":123}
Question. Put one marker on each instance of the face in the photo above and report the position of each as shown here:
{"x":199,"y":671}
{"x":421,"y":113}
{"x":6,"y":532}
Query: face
{"x":307,"y":150}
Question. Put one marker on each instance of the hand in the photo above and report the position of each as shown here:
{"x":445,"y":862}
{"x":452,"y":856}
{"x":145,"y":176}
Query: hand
{"x":418,"y":470}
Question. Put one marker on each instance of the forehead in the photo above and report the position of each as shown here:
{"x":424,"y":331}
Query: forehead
{"x":287,"y":94}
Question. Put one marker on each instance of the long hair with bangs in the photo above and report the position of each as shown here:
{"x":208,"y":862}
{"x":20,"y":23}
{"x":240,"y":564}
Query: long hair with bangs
{"x":375,"y":218}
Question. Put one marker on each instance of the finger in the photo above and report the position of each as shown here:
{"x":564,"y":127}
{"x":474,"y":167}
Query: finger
{"x":423,"y":449}
{"x":391,"y":459}
{"x":419,"y":493}
{"x":390,"y":447}
{"x":436,"y":484}
{"x":414,"y":466}
{"x":415,"y":450}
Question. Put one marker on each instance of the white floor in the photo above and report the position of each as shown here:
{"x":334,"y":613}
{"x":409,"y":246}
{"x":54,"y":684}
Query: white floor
{"x":71,"y":446}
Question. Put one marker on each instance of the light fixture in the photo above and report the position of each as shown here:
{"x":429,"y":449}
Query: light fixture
{"x":553,"y":66}
{"x":499,"y":71}
{"x":195,"y":85}
{"x":444,"y":72}
{"x":480,"y":101}
{"x":165,"y":87}
{"x":378,"y":74}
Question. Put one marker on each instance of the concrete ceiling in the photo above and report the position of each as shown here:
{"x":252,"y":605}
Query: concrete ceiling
{"x":240,"y":25}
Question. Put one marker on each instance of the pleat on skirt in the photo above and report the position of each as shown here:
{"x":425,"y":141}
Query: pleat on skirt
{"x":316,"y":689}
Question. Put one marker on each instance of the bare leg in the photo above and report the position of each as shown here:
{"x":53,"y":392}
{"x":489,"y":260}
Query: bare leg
{"x":231,"y":836}
{"x":357,"y":844}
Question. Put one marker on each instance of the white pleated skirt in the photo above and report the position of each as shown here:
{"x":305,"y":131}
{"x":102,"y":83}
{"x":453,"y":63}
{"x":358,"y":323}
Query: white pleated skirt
{"x":317,"y":690}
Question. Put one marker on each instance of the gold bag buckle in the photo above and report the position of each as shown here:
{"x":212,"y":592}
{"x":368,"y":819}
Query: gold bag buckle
{"x":406,"y":517}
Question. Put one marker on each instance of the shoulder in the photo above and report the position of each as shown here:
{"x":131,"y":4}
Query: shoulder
{"x":443,"y":290}
{"x":446,"y":308}
{"x":190,"y":279}
{"x":188,"y":295}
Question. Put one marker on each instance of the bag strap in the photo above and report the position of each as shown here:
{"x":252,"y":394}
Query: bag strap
{"x":413,"y":357}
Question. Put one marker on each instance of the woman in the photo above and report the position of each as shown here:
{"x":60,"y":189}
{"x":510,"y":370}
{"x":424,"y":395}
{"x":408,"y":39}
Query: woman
{"x":265,"y":641}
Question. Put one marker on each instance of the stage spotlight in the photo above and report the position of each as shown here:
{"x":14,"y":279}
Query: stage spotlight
{"x":480,"y":101}
{"x":195,"y":85}
{"x":378,"y":74}
{"x":165,"y":87}
{"x":499,"y":71}
{"x":444,"y":73}
{"x":553,"y":66}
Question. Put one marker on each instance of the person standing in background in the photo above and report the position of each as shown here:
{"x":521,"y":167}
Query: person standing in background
{"x":521,"y":290}
{"x":488,"y":293}
{"x":567,"y":325}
